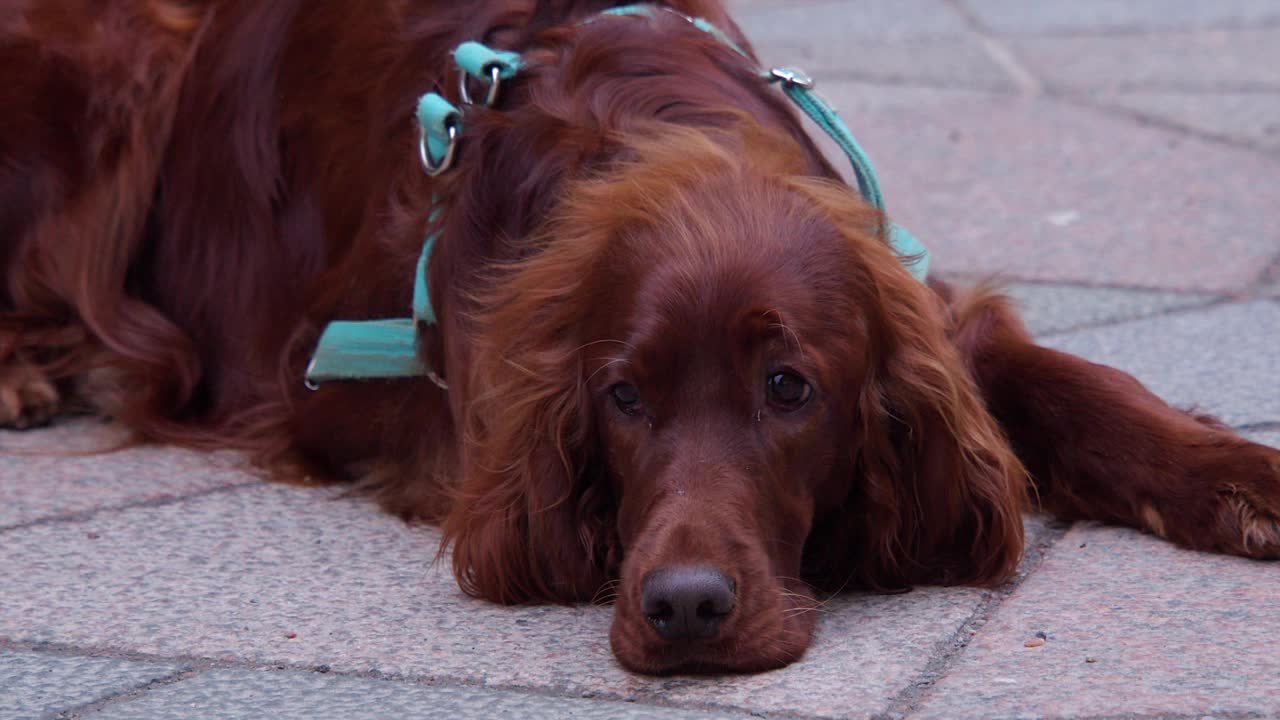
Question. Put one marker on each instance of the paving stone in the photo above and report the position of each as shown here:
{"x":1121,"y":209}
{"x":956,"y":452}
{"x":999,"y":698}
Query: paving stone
{"x":1222,"y":359}
{"x":1208,"y":62}
{"x":234,"y":694}
{"x":274,"y":574}
{"x":33,"y":684}
{"x":837,"y":21}
{"x":1052,"y":307}
{"x":59,"y":471}
{"x":1244,"y":117}
{"x":1043,"y":190}
{"x":919,"y":43}
{"x":1265,"y":437}
{"x":1170,"y":631}
{"x":943,"y":64}
{"x":1019,"y":16}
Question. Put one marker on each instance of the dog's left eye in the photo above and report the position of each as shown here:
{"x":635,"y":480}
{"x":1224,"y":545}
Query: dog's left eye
{"x":627,"y":397}
{"x":787,"y":390}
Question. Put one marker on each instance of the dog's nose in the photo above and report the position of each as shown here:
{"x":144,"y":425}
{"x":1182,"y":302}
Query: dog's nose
{"x":687,"y":602}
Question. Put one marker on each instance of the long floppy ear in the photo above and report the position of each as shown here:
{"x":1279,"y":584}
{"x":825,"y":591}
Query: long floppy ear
{"x":532,"y":518}
{"x":936,"y":494}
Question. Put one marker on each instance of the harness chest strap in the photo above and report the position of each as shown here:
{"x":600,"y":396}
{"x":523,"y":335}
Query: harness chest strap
{"x":388,"y":348}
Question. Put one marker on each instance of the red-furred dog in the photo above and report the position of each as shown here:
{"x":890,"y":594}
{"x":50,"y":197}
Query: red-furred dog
{"x":682,"y":355}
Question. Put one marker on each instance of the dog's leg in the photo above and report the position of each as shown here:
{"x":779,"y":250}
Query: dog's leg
{"x":28,"y":398}
{"x":92,"y":97}
{"x":1101,"y":446}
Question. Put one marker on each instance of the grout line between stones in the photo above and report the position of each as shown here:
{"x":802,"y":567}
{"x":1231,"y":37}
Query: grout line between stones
{"x":949,"y":651}
{"x":121,"y":697}
{"x":190,"y":666}
{"x":1269,"y":276}
{"x":1211,"y":300}
{"x":1254,"y":427}
{"x":999,"y":52}
{"x":1003,"y":278}
{"x":1157,"y":121}
{"x":153,"y":502}
{"x":1166,"y":312}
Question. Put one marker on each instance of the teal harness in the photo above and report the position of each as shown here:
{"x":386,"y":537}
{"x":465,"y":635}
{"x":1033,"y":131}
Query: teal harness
{"x":368,"y":349}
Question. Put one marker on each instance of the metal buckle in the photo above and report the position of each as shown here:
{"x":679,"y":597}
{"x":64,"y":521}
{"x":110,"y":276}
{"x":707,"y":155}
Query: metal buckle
{"x":432,"y":167}
{"x":793,"y":76}
{"x":491,"y":96}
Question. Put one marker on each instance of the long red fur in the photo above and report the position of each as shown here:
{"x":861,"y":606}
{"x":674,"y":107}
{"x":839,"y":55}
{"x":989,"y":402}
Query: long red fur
{"x":189,"y":191}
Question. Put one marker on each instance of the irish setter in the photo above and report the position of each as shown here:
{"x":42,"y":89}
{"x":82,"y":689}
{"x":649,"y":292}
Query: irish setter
{"x":686,"y":368}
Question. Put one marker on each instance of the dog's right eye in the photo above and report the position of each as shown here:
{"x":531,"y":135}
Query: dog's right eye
{"x":627,"y":397}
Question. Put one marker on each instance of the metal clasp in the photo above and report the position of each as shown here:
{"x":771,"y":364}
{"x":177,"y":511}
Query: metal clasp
{"x":432,"y":167}
{"x":491,"y":95}
{"x":793,"y":76}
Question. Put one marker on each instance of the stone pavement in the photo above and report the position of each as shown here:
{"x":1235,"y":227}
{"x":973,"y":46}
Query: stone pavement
{"x":1117,"y":160}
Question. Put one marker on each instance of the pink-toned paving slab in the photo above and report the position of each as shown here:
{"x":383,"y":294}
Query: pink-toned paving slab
{"x":280,"y":575}
{"x":61,"y":471}
{"x":1041,"y":189}
{"x":1134,"y":626}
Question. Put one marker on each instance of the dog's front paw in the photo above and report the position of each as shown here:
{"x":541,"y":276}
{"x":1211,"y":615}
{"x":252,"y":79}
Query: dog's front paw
{"x":1244,"y":514}
{"x":1250,"y":511}
{"x":27,"y":398}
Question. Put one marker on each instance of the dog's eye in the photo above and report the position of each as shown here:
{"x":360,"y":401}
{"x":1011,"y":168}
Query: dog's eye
{"x":787,"y":390}
{"x":627,"y":397}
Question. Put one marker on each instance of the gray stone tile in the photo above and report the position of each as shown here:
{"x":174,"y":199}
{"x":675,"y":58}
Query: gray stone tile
{"x":818,"y":22}
{"x":1170,"y":631}
{"x":861,"y":102}
{"x":1244,"y":117}
{"x":34,"y":684}
{"x":943,"y":64}
{"x":1207,"y":61}
{"x":1043,"y":190}
{"x":1052,"y":307}
{"x":60,"y":471}
{"x":274,"y":574}
{"x":873,"y":41}
{"x":1019,"y":16}
{"x":1223,"y":359}
{"x":245,"y":694}
{"x":1265,"y":437}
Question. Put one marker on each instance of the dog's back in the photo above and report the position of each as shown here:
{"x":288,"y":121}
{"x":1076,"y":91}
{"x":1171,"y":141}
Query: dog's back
{"x":175,"y":178}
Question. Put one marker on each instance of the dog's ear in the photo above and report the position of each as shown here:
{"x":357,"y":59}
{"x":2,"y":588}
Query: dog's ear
{"x":532,"y":518}
{"x":935,"y":494}
{"x":940,"y":493}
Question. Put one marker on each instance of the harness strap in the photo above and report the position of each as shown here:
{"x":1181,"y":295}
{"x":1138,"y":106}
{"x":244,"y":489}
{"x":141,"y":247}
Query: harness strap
{"x":367,"y":349}
{"x":798,"y":86}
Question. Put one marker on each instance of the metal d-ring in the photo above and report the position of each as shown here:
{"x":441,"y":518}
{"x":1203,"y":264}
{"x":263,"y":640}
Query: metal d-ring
{"x":431,"y":167}
{"x":495,"y":83}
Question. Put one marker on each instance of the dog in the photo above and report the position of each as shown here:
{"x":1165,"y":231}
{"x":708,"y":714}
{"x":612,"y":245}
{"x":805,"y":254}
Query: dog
{"x":670,"y":359}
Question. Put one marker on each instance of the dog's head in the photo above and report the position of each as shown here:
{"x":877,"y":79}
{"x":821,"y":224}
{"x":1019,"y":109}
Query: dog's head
{"x":714,"y":386}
